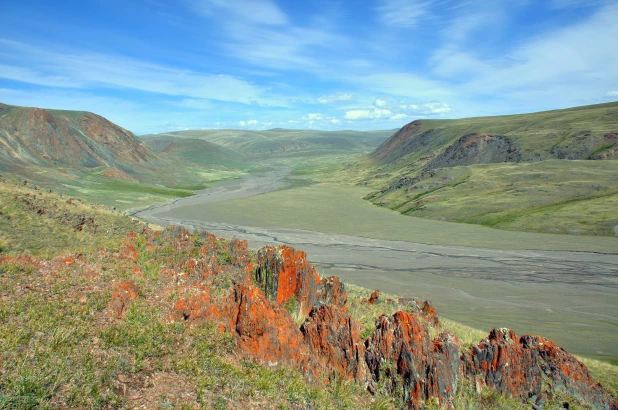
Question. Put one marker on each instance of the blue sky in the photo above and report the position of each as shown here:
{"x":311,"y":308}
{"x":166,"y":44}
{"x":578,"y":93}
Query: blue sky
{"x":156,"y":65}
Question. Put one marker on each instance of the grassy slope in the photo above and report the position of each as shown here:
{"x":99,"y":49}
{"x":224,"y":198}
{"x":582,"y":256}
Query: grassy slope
{"x":525,"y":196}
{"x":60,"y":348}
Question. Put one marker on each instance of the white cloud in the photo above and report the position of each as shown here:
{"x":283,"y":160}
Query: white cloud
{"x":336,"y":98}
{"x":370,"y":114}
{"x":379,"y":102}
{"x":248,"y":123}
{"x":87,"y":69}
{"x":611,"y":94}
{"x":313,"y":117}
{"x":577,"y":56}
{"x":252,"y":11}
{"x":402,"y":13}
{"x":399,"y":116}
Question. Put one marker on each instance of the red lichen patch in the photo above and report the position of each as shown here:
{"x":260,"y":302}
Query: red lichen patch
{"x":375,"y":296}
{"x":443,"y":373}
{"x":125,"y":293}
{"x":332,"y":292}
{"x":565,"y":372}
{"x":334,"y":338}
{"x":266,"y":331}
{"x":283,"y":273}
{"x":193,"y":308}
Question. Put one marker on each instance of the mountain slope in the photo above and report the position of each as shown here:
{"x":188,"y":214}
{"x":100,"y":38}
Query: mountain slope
{"x":456,"y":170}
{"x":81,"y":153}
{"x":34,"y":136}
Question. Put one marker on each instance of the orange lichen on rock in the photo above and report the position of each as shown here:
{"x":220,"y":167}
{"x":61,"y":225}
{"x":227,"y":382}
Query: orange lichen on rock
{"x":125,"y":293}
{"x":423,"y":368}
{"x":332,"y":292}
{"x":283,"y":273}
{"x":518,"y":367}
{"x":334,"y":338}
{"x":375,"y":296}
{"x":266,"y":331}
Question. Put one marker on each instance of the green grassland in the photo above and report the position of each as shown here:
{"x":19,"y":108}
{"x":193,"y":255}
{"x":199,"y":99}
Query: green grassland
{"x":570,"y":197}
{"x":333,"y":208}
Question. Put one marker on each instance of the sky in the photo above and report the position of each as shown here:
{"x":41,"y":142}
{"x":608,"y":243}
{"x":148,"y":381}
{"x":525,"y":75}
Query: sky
{"x":153,"y":66}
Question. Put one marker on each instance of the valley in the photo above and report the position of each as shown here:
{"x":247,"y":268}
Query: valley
{"x":562,"y":286}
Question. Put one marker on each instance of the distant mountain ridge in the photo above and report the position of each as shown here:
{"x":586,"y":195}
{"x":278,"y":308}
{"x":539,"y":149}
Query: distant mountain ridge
{"x":35,"y":136}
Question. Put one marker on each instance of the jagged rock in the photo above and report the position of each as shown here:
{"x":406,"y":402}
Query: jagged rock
{"x":375,"y":296}
{"x":519,"y":367}
{"x":194,"y":307}
{"x":266,"y":331}
{"x":125,"y":293}
{"x":334,"y":338}
{"x":332,"y":292}
{"x":444,"y":369}
{"x":283,"y":273}
{"x":567,"y":373}
{"x":424,"y":369}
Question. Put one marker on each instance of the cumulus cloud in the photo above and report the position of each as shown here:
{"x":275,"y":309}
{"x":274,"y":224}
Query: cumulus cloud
{"x":336,"y":98}
{"x":385,"y":109}
{"x":612,"y":94}
{"x":248,"y":123}
{"x":370,"y":114}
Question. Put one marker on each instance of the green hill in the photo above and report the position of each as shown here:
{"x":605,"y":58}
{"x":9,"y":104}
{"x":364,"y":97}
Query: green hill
{"x":551,"y":171}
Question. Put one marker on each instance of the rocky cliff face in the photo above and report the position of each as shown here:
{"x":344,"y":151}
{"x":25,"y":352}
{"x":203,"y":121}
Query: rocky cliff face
{"x":34,"y":136}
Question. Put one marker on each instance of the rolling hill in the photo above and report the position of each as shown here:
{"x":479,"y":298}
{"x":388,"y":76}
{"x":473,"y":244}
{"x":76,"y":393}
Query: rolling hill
{"x":285,"y":143}
{"x":550,"y":171}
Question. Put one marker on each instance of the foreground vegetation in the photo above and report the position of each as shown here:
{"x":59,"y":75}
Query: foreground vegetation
{"x":61,"y":260}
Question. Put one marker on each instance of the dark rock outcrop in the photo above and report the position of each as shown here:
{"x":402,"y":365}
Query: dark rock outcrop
{"x":334,"y":338}
{"x":332,"y":292}
{"x":530,"y":368}
{"x":283,"y":273}
{"x":374,"y":297}
{"x":400,"y":349}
